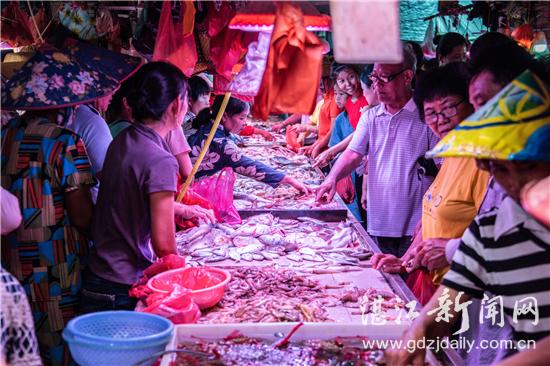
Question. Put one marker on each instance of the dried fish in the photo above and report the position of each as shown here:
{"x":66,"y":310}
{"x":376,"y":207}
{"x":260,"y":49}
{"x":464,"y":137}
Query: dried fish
{"x":258,"y":257}
{"x":247,"y":257}
{"x":267,"y":294}
{"x":295,"y":257}
{"x":271,"y":239}
{"x":314,"y":240}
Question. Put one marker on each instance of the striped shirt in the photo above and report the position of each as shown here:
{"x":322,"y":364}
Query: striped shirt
{"x":507,"y":253}
{"x":394,"y":143}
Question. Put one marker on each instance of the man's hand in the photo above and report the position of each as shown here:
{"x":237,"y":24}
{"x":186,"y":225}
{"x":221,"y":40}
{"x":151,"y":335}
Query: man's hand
{"x":326,"y":191}
{"x":317,"y":149}
{"x":266,"y":135}
{"x":364,"y":191}
{"x":307,"y":150}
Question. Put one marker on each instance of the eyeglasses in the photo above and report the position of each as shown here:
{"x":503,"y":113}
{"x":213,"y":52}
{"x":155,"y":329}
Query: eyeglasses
{"x":448,"y":112}
{"x":385,"y":79}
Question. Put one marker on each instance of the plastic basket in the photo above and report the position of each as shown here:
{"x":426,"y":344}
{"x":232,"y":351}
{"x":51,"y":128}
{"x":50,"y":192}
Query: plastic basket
{"x":204,"y":297}
{"x":116,"y":337}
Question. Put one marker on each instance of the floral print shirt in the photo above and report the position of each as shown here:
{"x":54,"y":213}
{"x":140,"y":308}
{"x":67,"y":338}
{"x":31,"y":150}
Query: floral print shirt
{"x":223,"y":152}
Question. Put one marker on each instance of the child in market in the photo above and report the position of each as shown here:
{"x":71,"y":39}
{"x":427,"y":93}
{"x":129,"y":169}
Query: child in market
{"x":199,"y":99}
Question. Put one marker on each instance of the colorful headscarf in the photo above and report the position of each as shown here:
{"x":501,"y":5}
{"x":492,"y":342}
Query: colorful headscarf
{"x":514,"y":125}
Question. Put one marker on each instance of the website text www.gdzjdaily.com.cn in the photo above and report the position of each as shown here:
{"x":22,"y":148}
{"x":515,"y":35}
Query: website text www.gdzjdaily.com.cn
{"x":437,"y":344}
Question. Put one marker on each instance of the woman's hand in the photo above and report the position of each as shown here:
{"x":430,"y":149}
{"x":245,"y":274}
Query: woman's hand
{"x":194,"y":212}
{"x":277,"y":127}
{"x":429,"y":254}
{"x":266,"y":135}
{"x":307,"y":150}
{"x":296,"y":184}
{"x":316,"y":150}
{"x":301,"y":128}
{"x":323,"y":159}
{"x":387,"y":263}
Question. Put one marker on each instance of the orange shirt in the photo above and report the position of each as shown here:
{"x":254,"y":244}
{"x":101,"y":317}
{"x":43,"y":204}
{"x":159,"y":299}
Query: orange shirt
{"x":328,"y":113}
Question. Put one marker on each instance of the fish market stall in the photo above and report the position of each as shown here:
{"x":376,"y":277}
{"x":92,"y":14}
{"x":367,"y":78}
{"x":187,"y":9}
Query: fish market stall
{"x":291,"y":270}
{"x":290,"y":262}
{"x":252,"y":197}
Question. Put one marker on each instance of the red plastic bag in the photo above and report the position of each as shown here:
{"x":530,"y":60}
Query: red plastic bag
{"x":175,"y":42}
{"x":176,"y":306}
{"x":421,"y":284}
{"x":171,"y":261}
{"x":218,"y":191}
{"x":345,"y":189}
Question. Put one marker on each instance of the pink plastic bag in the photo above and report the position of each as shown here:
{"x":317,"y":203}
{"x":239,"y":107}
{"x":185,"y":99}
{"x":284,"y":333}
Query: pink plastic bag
{"x":176,"y":306}
{"x":218,"y":190}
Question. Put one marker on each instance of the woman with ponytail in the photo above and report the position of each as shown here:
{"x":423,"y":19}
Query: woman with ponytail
{"x":223,"y":152}
{"x":134,"y":217}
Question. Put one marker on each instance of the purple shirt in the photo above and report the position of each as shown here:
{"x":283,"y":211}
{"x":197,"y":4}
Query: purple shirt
{"x":138,"y":163}
{"x":396,"y":184}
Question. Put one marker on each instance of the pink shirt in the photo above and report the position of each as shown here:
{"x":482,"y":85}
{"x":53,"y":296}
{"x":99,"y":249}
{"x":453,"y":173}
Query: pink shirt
{"x":176,"y":142}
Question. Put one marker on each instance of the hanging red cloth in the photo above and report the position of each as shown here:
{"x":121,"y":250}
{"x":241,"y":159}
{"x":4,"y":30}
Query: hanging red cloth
{"x":221,"y":85}
{"x":293,"y":70}
{"x":227,"y":46}
{"x":17,"y":27}
{"x":175,"y":42}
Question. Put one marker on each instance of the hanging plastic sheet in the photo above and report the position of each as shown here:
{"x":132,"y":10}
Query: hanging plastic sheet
{"x":248,"y":80}
{"x":175,"y":42}
{"x":227,"y":46}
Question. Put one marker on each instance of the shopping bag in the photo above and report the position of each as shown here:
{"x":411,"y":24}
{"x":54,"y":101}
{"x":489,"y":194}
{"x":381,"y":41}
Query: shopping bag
{"x":345,"y":189}
{"x":176,"y":306}
{"x":218,"y":191}
{"x":421,"y":284}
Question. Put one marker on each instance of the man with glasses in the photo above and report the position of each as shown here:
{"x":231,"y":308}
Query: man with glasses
{"x":394,"y":138}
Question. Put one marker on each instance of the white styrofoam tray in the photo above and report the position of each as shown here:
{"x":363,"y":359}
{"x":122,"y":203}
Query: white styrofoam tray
{"x":186,"y":332}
